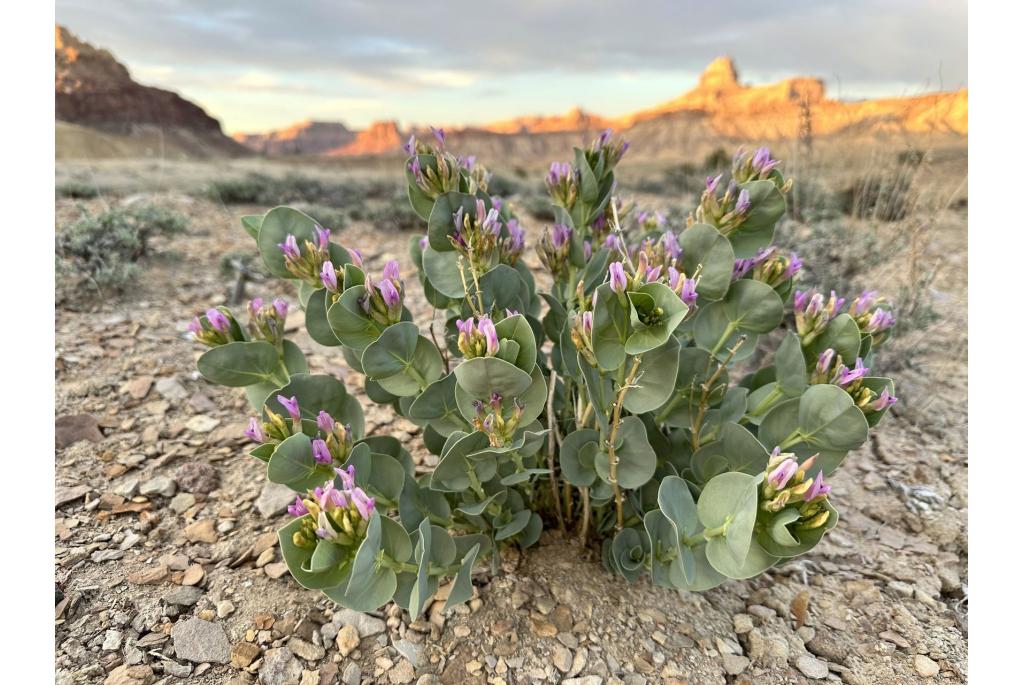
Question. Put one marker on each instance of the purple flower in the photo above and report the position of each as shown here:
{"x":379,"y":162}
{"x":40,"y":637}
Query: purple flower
{"x":410,"y":147}
{"x":458,"y":220}
{"x":588,"y":250}
{"x":390,"y":293}
{"x":291,"y":405}
{"x":465,"y":327}
{"x":560,"y":235}
{"x":325,"y":422}
{"x":424,"y":241}
{"x":559,"y":171}
{"x":495,"y":401}
{"x":516,"y":236}
{"x":742,"y":202}
{"x":881,"y":320}
{"x":290,"y":247}
{"x":255,"y":431}
{"x":652,"y":274}
{"x":611,"y":241}
{"x":298,"y":508}
{"x":819,"y":488}
{"x":497,"y":203}
{"x":255,"y":305}
{"x":588,"y":322}
{"x":671,"y":243}
{"x":884,"y":400}
{"x":617,"y":277}
{"x":321,"y":454}
{"x":782,"y":473}
{"x":605,"y":136}
{"x":845,"y":376}
{"x":281,"y":307}
{"x":195,"y":327}
{"x":357,"y":256}
{"x":329,"y":277}
{"x":364,"y":504}
{"x":416,"y":170}
{"x":740,"y":268}
{"x":486,"y":326}
{"x":467,"y":162}
{"x":492,"y":222}
{"x":689,"y":292}
{"x":863,"y":302}
{"x":438,"y":135}
{"x":801,"y":298}
{"x":347,"y":476}
{"x":391,"y":271}
{"x":322,"y":235}
{"x":218,"y":320}
{"x":795,"y":264}
{"x":825,"y":360}
{"x":711,"y":184}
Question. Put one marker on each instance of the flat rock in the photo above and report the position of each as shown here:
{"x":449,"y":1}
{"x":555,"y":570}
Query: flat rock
{"x":171,"y":389}
{"x":352,"y":675}
{"x":410,"y":650}
{"x":811,"y":667}
{"x":149,"y":576}
{"x":182,"y":502}
{"x":202,"y":423}
{"x":197,"y":477}
{"x":200,"y":641}
{"x":306,"y":650}
{"x":926,"y":668}
{"x":160,"y":485}
{"x":73,"y":428}
{"x":64,"y":496}
{"x":280,"y":667}
{"x":735,"y":663}
{"x":274,"y":499}
{"x":364,"y":624}
{"x":347,"y":639}
{"x":183,"y":595}
{"x":139,"y":387}
{"x":243,"y":654}
{"x":130,"y":675}
{"x":402,"y":673}
{"x":202,"y":530}
{"x":193,"y":575}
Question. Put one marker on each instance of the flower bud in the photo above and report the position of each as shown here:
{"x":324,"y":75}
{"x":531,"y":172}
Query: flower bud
{"x":617,"y":277}
{"x":255,"y":431}
{"x":291,"y":405}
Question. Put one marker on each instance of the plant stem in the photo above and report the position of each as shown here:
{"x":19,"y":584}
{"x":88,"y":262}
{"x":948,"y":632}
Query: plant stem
{"x":705,"y":393}
{"x":551,"y":451}
{"x":618,"y":232}
{"x":585,"y":495}
{"x":613,"y":461}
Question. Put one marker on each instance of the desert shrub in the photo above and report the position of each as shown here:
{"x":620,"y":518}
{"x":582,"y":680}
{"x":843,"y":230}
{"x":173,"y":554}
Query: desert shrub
{"x":622,"y":403}
{"x":261,"y":189}
{"x":104,"y":249}
{"x":882,"y":196}
{"x":716,"y":159}
{"x":328,"y":217}
{"x":77,"y":190}
{"x":393,"y":214}
{"x":537,"y":206}
{"x":501,"y":185}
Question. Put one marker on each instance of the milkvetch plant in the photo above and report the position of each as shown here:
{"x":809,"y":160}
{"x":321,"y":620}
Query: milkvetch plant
{"x":623,"y":404}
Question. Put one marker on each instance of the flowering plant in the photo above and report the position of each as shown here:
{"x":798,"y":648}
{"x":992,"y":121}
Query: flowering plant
{"x":631,"y":401}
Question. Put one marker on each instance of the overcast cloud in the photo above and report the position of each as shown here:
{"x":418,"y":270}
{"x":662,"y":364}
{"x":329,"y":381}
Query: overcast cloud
{"x":265,"y":63}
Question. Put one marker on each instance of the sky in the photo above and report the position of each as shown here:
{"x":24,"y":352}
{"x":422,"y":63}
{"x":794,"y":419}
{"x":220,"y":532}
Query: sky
{"x":264,"y":64}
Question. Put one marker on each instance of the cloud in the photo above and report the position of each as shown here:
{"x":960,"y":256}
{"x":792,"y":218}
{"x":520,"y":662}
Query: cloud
{"x":375,"y":48}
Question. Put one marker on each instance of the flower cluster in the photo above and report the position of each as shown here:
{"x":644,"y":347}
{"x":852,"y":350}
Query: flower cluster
{"x":434,"y":170}
{"x":491,"y":420}
{"x":611,"y":150}
{"x":650,"y":221}
{"x":513,"y":244}
{"x":479,"y":339}
{"x":383,"y":299}
{"x":873,"y":319}
{"x":813,"y":313}
{"x":476,"y":234}
{"x":554,"y":248}
{"x":831,"y":369}
{"x":754,"y":166}
{"x":266,"y":322}
{"x":216,"y":327}
{"x":306,"y":261}
{"x":562,"y":185}
{"x":727,"y":211}
{"x":787,"y":483}
{"x":770,"y":265}
{"x":337,"y":511}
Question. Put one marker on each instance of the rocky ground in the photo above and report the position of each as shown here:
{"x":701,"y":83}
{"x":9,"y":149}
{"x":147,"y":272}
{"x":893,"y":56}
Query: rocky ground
{"x":167,"y":570}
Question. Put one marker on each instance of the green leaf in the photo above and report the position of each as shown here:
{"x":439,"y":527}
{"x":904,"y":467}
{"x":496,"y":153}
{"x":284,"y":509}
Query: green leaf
{"x":317,"y":326}
{"x":768,"y":205}
{"x":750,"y":307}
{"x":441,"y":222}
{"x":402,"y":361}
{"x":737,"y":450}
{"x":842,"y":334}
{"x":645,"y":338}
{"x":611,"y":328}
{"x":239,"y":364}
{"x":577,"y":456}
{"x":350,"y":323}
{"x":483,"y":375}
{"x":656,"y":378}
{"x":276,"y":226}
{"x":326,"y":557}
{"x":823,"y":420}
{"x":437,"y":405}
{"x":790,"y":367}
{"x":517,"y":329}
{"x":251,"y":224}
{"x":637,"y":460}
{"x":320,"y":392}
{"x":504,"y":288}
{"x":462,"y":587}
{"x":729,"y":500}
{"x":442,"y":271}
{"x":756,"y":561}
{"x":703,"y":246}
{"x":292,"y":464}
{"x":779,"y":540}
{"x":298,"y":560}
